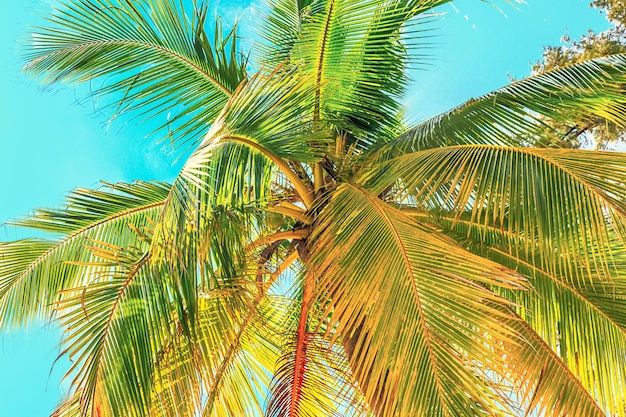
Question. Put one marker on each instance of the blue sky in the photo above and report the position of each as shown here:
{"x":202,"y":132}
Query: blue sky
{"x":54,"y":140}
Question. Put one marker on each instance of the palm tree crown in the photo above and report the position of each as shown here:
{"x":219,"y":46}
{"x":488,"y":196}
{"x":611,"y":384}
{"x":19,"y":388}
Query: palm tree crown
{"x":315,"y":256}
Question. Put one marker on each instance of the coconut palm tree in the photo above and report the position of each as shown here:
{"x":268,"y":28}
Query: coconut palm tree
{"x":315,"y":256}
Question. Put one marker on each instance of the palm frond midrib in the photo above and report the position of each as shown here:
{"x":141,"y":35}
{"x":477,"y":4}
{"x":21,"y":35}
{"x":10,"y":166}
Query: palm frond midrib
{"x":142,"y":44}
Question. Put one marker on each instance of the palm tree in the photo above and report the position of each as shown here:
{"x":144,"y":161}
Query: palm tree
{"x":316,"y":257}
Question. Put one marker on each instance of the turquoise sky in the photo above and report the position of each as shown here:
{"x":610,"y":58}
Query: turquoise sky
{"x":53,"y":139}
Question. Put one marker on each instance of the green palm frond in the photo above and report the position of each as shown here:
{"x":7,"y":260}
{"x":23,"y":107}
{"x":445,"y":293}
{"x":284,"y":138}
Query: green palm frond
{"x":170,"y":322}
{"x":271,"y":115}
{"x":324,"y":38}
{"x":130,"y":309}
{"x":567,"y":199}
{"x":33,"y":271}
{"x":280,"y":30}
{"x":230,"y":176}
{"x":356,"y":52}
{"x":201,"y":250}
{"x":86,"y":208}
{"x":152,"y":60}
{"x":273,"y":111}
{"x":512,"y":114}
{"x":120,"y":314}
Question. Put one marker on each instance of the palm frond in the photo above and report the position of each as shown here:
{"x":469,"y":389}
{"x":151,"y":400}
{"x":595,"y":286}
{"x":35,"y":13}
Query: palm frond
{"x":566,"y":200}
{"x":569,"y":316}
{"x":243,"y":377}
{"x":571,"y":319}
{"x":151,"y":56}
{"x":224,"y":367}
{"x":413,"y":306}
{"x":219,"y":200}
{"x":544,"y":383}
{"x":33,"y":271}
{"x":87,"y":208}
{"x":324,"y":386}
{"x":114,"y":324}
{"x":280,"y":30}
{"x":153,"y":323}
{"x":273,"y":111}
{"x":271,"y":115}
{"x":221,"y":361}
{"x":513,"y":114}
{"x":324,"y":38}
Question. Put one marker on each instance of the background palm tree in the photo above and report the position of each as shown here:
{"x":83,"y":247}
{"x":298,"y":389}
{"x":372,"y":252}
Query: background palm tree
{"x":315,"y":256}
